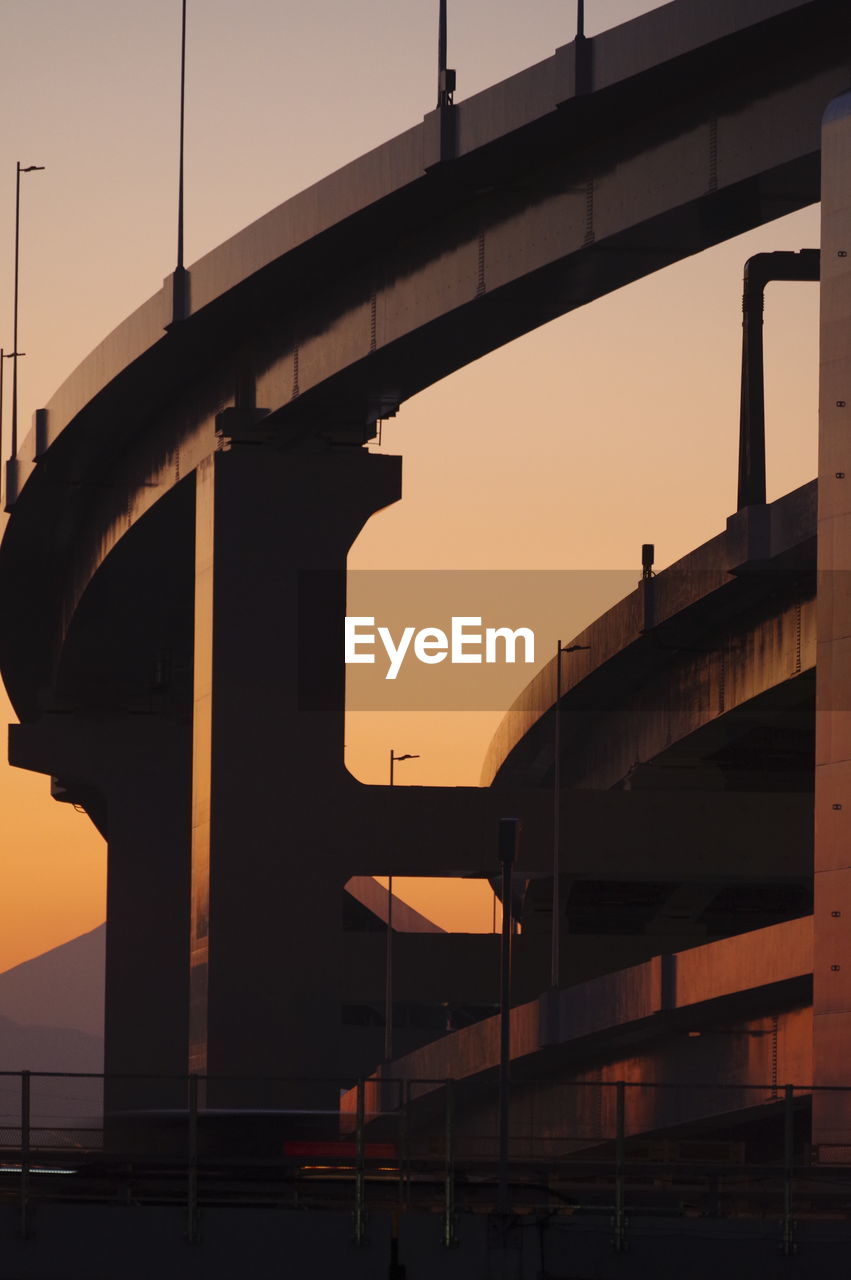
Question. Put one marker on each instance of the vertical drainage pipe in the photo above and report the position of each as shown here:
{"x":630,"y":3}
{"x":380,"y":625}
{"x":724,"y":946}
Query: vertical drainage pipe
{"x":759,"y":271}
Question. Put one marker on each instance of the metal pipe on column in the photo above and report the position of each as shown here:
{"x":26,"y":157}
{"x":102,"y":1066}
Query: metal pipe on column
{"x":759,"y":271}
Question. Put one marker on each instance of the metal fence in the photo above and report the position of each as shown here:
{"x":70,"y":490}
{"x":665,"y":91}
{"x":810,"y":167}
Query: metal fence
{"x":624,"y":1149}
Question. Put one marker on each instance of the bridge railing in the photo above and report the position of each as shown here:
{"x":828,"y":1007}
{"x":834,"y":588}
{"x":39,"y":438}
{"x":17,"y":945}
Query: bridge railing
{"x":630,"y":1151}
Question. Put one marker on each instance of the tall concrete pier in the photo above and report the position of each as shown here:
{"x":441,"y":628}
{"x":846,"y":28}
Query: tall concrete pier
{"x":832,"y":909}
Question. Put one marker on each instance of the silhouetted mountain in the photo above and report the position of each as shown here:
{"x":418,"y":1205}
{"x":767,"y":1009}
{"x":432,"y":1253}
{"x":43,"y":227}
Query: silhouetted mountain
{"x":62,"y":987}
{"x":37,"y":1048}
{"x":54,"y":1101}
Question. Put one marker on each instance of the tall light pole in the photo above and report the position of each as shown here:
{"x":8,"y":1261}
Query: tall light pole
{"x":445,"y":75}
{"x":556,"y":934}
{"x":388,"y":958}
{"x":582,"y":53}
{"x":182,"y":132}
{"x":30,"y":168}
{"x":179,"y":284}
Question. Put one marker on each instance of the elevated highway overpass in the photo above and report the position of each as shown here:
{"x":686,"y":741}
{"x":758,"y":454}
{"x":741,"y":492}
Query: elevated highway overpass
{"x":694,"y":123}
{"x":696,"y":689}
{"x":173,"y":570}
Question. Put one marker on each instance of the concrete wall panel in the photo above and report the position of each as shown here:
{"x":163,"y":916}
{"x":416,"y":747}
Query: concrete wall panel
{"x":776,"y":121}
{"x":548,"y":227}
{"x":833,"y":815}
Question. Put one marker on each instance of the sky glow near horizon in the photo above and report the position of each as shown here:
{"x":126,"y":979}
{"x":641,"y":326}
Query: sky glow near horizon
{"x":613,"y":426}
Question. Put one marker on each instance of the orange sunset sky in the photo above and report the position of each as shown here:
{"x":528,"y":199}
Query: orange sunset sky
{"x":568,"y":449}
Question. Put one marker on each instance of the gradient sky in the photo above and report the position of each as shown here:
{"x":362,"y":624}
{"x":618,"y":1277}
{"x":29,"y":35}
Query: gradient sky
{"x":613,"y":426}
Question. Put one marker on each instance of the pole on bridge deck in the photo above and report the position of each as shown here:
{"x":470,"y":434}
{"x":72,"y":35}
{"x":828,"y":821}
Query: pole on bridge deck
{"x":179,"y":298}
{"x":445,"y":77}
{"x":15,"y":353}
{"x":582,"y":47}
{"x":182,"y":132}
{"x":441,"y":38}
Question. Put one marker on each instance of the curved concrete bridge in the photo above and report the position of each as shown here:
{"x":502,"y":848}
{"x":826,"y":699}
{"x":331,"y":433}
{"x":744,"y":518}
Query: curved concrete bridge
{"x":174,"y":565}
{"x":700,"y":643}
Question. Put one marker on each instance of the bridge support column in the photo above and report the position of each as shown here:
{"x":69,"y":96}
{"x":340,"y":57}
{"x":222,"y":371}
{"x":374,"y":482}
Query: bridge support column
{"x":832,"y":908}
{"x":132,"y":775}
{"x":273,"y":532}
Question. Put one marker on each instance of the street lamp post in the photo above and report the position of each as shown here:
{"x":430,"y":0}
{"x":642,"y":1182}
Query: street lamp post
{"x":445,"y":75}
{"x":30,"y":168}
{"x":388,"y":960}
{"x":181,"y":137}
{"x":556,"y":930}
{"x":180,"y":280}
{"x":582,"y":53}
